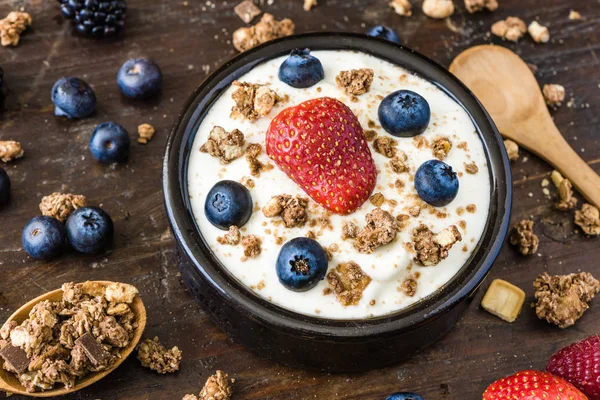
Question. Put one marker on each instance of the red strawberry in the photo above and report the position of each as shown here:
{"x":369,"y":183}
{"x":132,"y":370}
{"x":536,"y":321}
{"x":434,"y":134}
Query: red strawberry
{"x":532,"y":385}
{"x":321,"y":146}
{"x":579,"y":364}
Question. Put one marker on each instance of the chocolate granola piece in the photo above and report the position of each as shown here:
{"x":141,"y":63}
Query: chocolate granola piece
{"x":398,"y":164}
{"x":349,"y":230}
{"x":232,"y":237}
{"x":473,"y":6}
{"x":253,"y":101}
{"x":588,"y":219}
{"x":356,"y":81}
{"x":554,"y":94}
{"x":61,"y":205}
{"x":226,"y":146}
{"x":217,"y":387}
{"x":93,"y":350}
{"x":11,"y":27}
{"x":348,"y":281}
{"x":523,"y":237}
{"x":10,"y":150}
{"x":471,"y":168}
{"x":385,"y":146}
{"x":16,"y":357}
{"x":152,"y":354}
{"x":267,"y":29}
{"x":511,"y":28}
{"x":252,"y":246}
{"x":441,"y":147}
{"x":247,"y":10}
{"x":432,"y":248}
{"x":380,"y":230}
{"x":401,"y":7}
{"x":562,"y":299}
{"x":291,"y":209}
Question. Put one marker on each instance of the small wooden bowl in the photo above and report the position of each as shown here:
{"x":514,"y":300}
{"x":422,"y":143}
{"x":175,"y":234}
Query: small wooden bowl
{"x":10,"y":383}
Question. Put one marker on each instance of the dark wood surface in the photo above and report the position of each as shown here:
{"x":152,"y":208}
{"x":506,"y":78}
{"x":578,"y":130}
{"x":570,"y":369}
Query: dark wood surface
{"x":189,"y":41}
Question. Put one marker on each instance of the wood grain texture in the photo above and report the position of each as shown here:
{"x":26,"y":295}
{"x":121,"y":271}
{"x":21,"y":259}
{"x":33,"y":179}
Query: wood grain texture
{"x":188,"y":41}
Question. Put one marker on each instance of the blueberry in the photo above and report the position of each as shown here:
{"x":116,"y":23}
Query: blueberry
{"x":140,"y":78}
{"x":436,"y":183}
{"x":73,"y":98}
{"x":404,"y":113}
{"x":301,"y":264}
{"x":89,"y":230}
{"x":110,"y":143}
{"x":228,"y":203}
{"x":4,"y":188}
{"x":43,"y":237}
{"x":383,"y":32}
{"x":404,"y":396}
{"x":301,"y":70}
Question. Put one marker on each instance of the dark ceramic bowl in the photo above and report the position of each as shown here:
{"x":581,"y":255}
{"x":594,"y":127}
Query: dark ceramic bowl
{"x":294,"y":339}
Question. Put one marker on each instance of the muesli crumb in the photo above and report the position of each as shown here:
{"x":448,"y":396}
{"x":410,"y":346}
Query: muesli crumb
{"x":348,"y":281}
{"x":438,"y":9}
{"x":247,"y":11}
{"x":355,"y":81}
{"x":409,"y":286}
{"x":309,"y":4}
{"x":248,"y":182}
{"x":432,"y":248}
{"x":291,"y":209}
{"x":217,"y":387}
{"x":524,"y":238}
{"x":268,"y":28}
{"x":401,"y":7}
{"x":511,"y":28}
{"x":562,"y":299}
{"x":574,"y":15}
{"x":471,"y":168}
{"x":145,"y":131}
{"x":370,"y":135}
{"x":256,"y":166}
{"x":232,"y":237}
{"x":381,"y":229}
{"x":152,"y":354}
{"x":398,"y":164}
{"x":12,"y":26}
{"x":252,"y":246}
{"x":61,"y":205}
{"x":349,"y":230}
{"x":539,"y":33}
{"x":512,"y":149}
{"x":554,"y":94}
{"x":226,"y":146}
{"x":441,"y":147}
{"x":385,"y":146}
{"x":473,"y":6}
{"x":377,"y":199}
{"x":402,"y":220}
{"x":565,"y":192}
{"x":588,"y":219}
{"x":10,"y":150}
{"x":253,"y":101}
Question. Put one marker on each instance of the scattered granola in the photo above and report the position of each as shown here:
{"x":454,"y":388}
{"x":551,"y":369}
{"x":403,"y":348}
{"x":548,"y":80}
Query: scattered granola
{"x":565,"y":192}
{"x":473,"y":6}
{"x":64,"y":340}
{"x":146,"y":131}
{"x":226,"y":146}
{"x":248,"y":182}
{"x":512,"y":149}
{"x":11,"y":27}
{"x":523,"y":237}
{"x":574,"y":15}
{"x":380,"y":230}
{"x":349,"y":230}
{"x":471,"y":168}
{"x":441,"y":147}
{"x":247,"y":11}
{"x":355,"y":81}
{"x":348,"y":281}
{"x":511,"y":28}
{"x":432,"y":248}
{"x":256,"y":167}
{"x":554,"y":94}
{"x":588,"y":219}
{"x":309,"y":4}
{"x":562,"y":299}
{"x":377,"y":199}
{"x":438,"y":9}
{"x":252,"y":246}
{"x":232,"y":237}
{"x":291,"y":209}
{"x":267,"y":29}
{"x":385,"y":146}
{"x":402,"y":7}
{"x":152,"y":354}
{"x":61,"y":205}
{"x":409,"y":286}
{"x":370,"y":135}
{"x":253,"y":101}
{"x":217,"y":387}
{"x":10,"y":150}
{"x":538,"y":32}
{"x":398,"y":163}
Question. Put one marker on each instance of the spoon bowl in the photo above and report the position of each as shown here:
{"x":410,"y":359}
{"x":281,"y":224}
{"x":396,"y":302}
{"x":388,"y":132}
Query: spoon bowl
{"x":505,"y":85}
{"x":10,"y":383}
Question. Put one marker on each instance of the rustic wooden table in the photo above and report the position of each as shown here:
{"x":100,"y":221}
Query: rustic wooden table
{"x":190,"y":40}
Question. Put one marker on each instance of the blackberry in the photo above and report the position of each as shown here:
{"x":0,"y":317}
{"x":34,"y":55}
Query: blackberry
{"x":97,"y":18}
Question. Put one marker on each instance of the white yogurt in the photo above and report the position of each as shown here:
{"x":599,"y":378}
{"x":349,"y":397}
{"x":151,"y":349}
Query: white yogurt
{"x":389,"y":265}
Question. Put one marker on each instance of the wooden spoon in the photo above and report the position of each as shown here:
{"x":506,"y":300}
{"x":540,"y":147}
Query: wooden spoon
{"x":10,"y":383}
{"x":510,"y":93}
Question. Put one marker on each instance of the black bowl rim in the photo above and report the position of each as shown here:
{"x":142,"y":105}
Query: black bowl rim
{"x":192,"y":244}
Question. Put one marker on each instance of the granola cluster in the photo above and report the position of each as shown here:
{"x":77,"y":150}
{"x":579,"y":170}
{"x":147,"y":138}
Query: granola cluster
{"x":538,"y":32}
{"x":291,"y":209}
{"x":356,"y":81}
{"x":348,"y":281}
{"x":256,"y":166}
{"x":252,"y":246}
{"x":438,"y":9}
{"x":61,"y":205}
{"x":385,"y":146}
{"x":588,"y":219}
{"x":473,"y":6}
{"x":253,"y":101}
{"x":217,"y":387}
{"x":145,"y":131}
{"x":381,"y":229}
{"x":11,"y":27}
{"x":565,"y":192}
{"x":441,"y":147}
{"x":226,"y":146}
{"x":511,"y":28}
{"x":562,"y":299}
{"x":554,"y":94}
{"x":10,"y":150}
{"x":268,"y":28}
{"x":512,"y":149}
{"x":152,"y":354}
{"x":232,"y":237}
{"x":64,"y":340}
{"x":401,"y":7}
{"x":398,"y":164}
{"x":432,"y":248}
{"x":523,"y":237}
